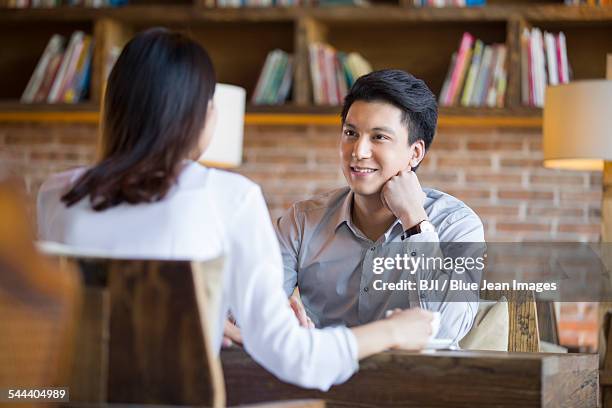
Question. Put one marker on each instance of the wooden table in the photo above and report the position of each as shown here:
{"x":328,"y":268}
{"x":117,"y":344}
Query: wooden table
{"x":440,"y":379}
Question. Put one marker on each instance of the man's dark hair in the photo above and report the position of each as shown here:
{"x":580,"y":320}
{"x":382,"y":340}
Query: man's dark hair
{"x":154,"y":112}
{"x":404,"y":91}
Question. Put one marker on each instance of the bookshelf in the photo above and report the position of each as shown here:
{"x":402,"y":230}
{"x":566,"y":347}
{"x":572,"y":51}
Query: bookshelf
{"x":388,"y":34}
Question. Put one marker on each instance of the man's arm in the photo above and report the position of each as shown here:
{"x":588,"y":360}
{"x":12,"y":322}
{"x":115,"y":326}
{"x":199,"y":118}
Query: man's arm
{"x":288,"y":232}
{"x":464,"y":238}
{"x":403,"y":195}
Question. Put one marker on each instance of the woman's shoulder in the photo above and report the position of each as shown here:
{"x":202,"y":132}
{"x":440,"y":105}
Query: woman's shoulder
{"x":61,"y":181}
{"x":222,"y":182}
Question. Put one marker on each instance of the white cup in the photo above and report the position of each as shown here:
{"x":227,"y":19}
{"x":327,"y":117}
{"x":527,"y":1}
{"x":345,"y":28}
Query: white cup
{"x":435,"y":325}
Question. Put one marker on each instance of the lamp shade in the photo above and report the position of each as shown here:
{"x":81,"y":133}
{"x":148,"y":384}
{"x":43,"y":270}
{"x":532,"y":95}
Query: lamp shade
{"x":578,"y":125}
{"x":225,"y":149}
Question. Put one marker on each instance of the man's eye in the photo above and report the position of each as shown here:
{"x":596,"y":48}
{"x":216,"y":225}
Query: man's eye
{"x":349,"y":132}
{"x":380,"y":137}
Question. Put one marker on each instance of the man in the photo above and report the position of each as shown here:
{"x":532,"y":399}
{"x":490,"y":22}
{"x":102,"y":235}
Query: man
{"x":329,"y":243}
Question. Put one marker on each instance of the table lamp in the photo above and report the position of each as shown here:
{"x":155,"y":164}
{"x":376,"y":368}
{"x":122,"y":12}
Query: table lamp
{"x":225,"y":149}
{"x":578,"y":134}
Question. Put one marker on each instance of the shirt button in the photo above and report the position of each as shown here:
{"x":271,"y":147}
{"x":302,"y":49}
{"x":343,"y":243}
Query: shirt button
{"x":372,"y":249}
{"x":365,"y":289}
{"x":413,"y":253}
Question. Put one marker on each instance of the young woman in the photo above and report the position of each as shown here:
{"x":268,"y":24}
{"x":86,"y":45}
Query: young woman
{"x":147,"y":197}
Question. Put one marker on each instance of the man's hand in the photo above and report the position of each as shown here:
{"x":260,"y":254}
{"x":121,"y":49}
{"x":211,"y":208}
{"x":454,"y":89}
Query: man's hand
{"x":405,"y":198}
{"x":300,"y":312}
{"x":231,"y":334}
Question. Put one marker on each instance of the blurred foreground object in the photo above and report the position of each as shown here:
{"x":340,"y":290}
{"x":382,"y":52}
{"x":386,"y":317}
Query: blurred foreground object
{"x":37,"y":304}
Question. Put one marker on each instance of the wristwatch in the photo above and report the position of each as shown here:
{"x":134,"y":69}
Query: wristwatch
{"x":423,"y":226}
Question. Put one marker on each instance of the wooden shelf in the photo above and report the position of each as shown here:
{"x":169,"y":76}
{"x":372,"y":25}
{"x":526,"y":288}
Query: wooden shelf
{"x":418,"y":40}
{"x":279,"y":115}
{"x":167,"y":14}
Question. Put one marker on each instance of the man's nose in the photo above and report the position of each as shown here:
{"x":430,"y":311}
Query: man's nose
{"x":362,"y":148}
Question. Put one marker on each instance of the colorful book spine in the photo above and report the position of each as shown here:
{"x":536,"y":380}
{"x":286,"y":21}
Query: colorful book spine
{"x":473,"y":71}
{"x":447,"y":79}
{"x":462,"y":58}
{"x":53,"y":47}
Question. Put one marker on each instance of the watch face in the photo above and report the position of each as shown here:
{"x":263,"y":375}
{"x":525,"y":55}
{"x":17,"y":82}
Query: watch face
{"x":427,"y":226}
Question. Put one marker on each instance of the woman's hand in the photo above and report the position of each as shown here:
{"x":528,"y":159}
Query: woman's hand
{"x":411,"y":329}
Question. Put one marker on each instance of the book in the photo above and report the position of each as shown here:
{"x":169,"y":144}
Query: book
{"x":49,"y":77}
{"x":498,"y":75}
{"x":285,"y":87}
{"x":53,"y":47}
{"x":66,"y":67}
{"x":562,"y":57}
{"x":358,"y":65}
{"x":263,"y":75}
{"x":461,"y":78}
{"x":525,"y":67}
{"x":75,"y":89}
{"x":473,"y":71}
{"x":462,"y":56}
{"x":483,"y":91}
{"x":447,"y":79}
{"x":317,"y":91}
{"x":551,"y":58}
{"x":481,"y":77}
{"x":271,"y":93}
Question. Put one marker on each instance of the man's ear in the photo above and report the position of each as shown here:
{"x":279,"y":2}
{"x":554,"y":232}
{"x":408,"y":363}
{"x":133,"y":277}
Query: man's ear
{"x":417,"y":153}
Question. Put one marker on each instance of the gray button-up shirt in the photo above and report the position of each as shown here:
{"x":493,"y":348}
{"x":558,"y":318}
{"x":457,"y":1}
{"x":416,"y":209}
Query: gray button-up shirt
{"x":330,"y":260}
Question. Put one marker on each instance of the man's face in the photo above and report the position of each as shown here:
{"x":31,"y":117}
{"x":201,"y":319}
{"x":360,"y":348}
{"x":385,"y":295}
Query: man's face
{"x":374,"y":146}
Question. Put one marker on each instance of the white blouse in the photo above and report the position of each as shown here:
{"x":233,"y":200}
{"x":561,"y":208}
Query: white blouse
{"x":210,"y":213}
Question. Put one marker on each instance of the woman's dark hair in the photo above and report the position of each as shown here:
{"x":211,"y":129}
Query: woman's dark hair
{"x":404,"y":91}
{"x":154,"y":111}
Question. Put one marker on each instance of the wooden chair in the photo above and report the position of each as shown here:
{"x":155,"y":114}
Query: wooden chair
{"x":145,"y":336}
{"x":38,"y":305}
{"x":523,"y":333}
{"x":605,"y":373}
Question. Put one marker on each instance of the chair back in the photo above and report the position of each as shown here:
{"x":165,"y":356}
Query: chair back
{"x":38,"y":305}
{"x":148,"y":327}
{"x":523,"y":333}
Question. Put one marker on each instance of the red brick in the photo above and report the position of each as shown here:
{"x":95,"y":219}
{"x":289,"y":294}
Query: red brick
{"x":446,"y":145}
{"x":557,"y":179}
{"x":525,"y":195}
{"x":494,"y":179}
{"x":582,"y":196}
{"x":522,"y":227}
{"x":492,"y":210}
{"x":535,"y":145}
{"x":463,"y":162}
{"x":433,"y":177}
{"x":550,"y":211}
{"x":469,"y":193}
{"x":27,"y":139}
{"x":495,"y":145}
{"x":522,"y":163}
{"x":580,"y":228}
{"x":284,"y":157}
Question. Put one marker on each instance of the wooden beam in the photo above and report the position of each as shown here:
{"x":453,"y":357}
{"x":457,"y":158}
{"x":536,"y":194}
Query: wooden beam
{"x":279,"y":119}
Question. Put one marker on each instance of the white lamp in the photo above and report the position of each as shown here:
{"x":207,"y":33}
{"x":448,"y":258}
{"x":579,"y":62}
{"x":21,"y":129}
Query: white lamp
{"x":225,"y":149}
{"x":578,"y":125}
{"x":578,"y":136}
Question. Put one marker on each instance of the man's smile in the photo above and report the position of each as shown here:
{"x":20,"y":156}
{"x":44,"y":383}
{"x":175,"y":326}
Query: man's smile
{"x":362,"y":171}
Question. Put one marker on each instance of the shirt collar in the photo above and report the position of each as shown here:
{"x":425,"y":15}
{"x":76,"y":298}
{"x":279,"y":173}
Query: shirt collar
{"x":343,"y":215}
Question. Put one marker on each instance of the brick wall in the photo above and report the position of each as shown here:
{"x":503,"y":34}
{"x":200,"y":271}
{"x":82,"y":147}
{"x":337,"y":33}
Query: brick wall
{"x":495,"y":171}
